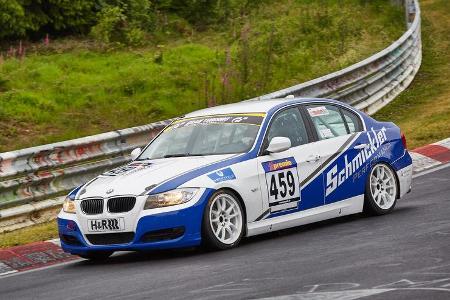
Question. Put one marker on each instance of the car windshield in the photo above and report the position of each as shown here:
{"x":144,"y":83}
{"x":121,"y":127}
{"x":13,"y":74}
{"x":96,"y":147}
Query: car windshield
{"x":209,"y":135}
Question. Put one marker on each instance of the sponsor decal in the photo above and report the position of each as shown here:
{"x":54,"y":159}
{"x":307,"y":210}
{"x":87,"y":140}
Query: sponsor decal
{"x":131,"y":168}
{"x":318,"y":111}
{"x":99,"y":225}
{"x":282,"y":184}
{"x":336,"y":177}
{"x":249,"y":119}
{"x":279,"y":164}
{"x":222,"y":175}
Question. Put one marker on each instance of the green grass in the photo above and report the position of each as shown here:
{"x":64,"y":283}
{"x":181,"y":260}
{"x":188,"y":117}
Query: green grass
{"x":73,"y":89}
{"x":36,"y":233}
{"x":423,"y":110}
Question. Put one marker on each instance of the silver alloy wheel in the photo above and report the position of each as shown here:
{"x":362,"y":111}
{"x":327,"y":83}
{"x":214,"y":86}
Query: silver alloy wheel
{"x":225,"y":217}
{"x":383,"y":186}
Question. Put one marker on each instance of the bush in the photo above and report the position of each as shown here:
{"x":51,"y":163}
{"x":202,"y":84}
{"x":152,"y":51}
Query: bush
{"x":21,"y":18}
{"x":123,"y":21}
{"x":12,"y":19}
{"x":108,"y":28}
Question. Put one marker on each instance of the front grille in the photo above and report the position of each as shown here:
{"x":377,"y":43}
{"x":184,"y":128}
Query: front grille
{"x":92,"y":206}
{"x":110,"y":238}
{"x":121,"y":204}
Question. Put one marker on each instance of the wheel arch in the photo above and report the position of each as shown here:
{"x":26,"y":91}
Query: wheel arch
{"x":241,"y":201}
{"x":386,"y":162}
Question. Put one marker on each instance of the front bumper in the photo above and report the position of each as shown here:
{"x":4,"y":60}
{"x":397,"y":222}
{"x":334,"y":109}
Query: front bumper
{"x":188,"y":219}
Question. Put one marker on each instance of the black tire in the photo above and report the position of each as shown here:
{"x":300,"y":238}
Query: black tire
{"x":209,"y":239}
{"x":97,"y":255}
{"x":371,"y":207}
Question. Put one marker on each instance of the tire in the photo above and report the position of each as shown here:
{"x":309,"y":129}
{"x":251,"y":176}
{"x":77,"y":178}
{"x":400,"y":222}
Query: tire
{"x":381,"y":190}
{"x":97,"y":255}
{"x":223,"y":227}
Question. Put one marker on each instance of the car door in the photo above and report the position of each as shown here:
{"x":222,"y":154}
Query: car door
{"x":289,"y":179}
{"x":338,"y":132}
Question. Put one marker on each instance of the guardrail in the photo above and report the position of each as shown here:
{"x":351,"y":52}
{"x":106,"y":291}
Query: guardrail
{"x":36,"y":176}
{"x":372,"y":83}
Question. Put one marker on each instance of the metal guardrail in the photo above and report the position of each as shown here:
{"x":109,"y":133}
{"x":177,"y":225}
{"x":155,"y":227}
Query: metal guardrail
{"x":47,"y":171}
{"x":372,"y":83}
{"x":41,"y":174}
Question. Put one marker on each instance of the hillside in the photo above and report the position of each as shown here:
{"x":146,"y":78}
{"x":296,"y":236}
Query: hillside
{"x":423,"y":110}
{"x":73,"y":87}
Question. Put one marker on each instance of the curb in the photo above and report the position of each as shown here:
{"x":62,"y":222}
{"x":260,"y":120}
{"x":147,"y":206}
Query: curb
{"x":431,"y":156}
{"x":32,"y":256}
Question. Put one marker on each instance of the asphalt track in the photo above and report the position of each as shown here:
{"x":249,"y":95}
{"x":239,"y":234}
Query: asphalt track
{"x":404,"y":255}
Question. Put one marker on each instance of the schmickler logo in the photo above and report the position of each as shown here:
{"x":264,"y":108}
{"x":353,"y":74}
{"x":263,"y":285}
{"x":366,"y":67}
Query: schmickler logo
{"x":335,"y":178}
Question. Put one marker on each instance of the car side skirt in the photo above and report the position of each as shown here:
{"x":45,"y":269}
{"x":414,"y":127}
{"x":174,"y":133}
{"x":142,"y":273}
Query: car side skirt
{"x":349,"y":206}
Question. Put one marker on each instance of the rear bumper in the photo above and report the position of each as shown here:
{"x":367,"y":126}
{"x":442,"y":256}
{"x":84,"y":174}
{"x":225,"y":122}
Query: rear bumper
{"x":404,"y":168}
{"x":405,"y":180}
{"x":187,"y":223}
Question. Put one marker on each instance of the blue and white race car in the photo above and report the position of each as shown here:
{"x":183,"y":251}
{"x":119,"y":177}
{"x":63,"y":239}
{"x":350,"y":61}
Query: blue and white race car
{"x":220,"y":174}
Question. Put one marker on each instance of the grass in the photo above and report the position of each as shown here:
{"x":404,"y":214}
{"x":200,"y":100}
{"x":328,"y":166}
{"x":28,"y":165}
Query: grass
{"x":423,"y":110}
{"x":35,"y":233}
{"x":72,"y":89}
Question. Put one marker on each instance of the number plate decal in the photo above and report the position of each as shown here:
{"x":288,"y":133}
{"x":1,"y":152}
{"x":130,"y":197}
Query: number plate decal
{"x":101,"y":225}
{"x":282,"y":184}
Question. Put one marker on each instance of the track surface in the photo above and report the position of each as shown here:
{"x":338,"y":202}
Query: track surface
{"x":404,"y":255}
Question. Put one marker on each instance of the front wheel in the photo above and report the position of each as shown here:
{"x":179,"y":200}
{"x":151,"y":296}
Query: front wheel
{"x":223,"y":221}
{"x":381,"y":190}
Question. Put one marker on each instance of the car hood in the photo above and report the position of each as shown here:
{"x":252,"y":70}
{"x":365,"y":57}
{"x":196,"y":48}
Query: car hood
{"x":139,"y":176}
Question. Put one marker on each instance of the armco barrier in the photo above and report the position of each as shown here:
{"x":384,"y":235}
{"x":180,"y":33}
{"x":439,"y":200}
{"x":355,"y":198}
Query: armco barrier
{"x":33,"y":180}
{"x":372,"y":83}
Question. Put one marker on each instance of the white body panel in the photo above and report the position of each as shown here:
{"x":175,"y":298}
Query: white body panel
{"x":347,"y":207}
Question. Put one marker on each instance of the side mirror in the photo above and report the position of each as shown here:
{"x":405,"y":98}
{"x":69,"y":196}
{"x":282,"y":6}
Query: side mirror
{"x":135,"y":153}
{"x":278,"y":144}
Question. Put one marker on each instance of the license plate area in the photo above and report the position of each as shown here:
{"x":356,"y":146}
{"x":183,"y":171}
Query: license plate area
{"x":106,"y":225}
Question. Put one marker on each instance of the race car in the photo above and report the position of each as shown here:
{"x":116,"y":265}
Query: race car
{"x":220,"y":174}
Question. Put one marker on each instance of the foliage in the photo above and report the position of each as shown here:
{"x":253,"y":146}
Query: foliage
{"x":60,"y":94}
{"x":35,"y":233}
{"x":21,"y":18}
{"x":123,"y":21}
{"x":127,"y":21}
{"x":423,"y":110}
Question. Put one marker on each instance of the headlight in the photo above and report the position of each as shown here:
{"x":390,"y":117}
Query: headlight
{"x":174,"y":197}
{"x":69,"y":206}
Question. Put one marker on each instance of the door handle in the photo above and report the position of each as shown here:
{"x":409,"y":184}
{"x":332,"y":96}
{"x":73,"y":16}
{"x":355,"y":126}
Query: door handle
{"x":313,"y":158}
{"x":360,"y":146}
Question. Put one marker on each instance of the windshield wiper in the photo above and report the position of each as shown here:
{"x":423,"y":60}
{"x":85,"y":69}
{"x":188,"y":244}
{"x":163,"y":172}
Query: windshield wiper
{"x":181,"y":155}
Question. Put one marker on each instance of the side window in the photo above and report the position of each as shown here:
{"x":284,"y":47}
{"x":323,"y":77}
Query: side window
{"x":288,"y":123}
{"x":353,"y":122}
{"x":327,"y":120}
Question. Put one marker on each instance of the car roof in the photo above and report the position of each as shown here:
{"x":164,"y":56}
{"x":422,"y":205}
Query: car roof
{"x":254,"y":106}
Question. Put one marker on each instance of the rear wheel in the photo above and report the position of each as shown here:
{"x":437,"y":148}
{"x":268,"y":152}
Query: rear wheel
{"x":97,"y":255}
{"x":381,"y":190}
{"x":223,"y":221}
